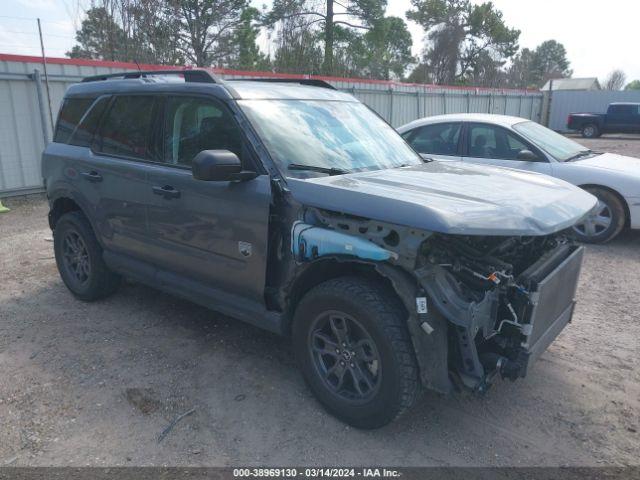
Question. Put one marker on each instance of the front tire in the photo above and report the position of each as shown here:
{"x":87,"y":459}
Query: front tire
{"x":79,"y":259}
{"x":353,"y":347}
{"x":605,"y":222}
{"x":590,"y":131}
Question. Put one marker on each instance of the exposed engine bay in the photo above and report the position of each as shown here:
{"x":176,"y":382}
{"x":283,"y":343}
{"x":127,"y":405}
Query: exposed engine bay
{"x":502,"y":294}
{"x":502,"y":300}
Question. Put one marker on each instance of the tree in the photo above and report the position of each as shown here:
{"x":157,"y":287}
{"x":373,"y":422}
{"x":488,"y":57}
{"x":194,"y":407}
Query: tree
{"x":144,"y":31}
{"x":550,"y":61}
{"x":615,"y":80}
{"x":384,"y":51}
{"x":296,"y":41}
{"x":248,"y":55}
{"x":460,"y":35}
{"x":520,"y":73}
{"x":207,"y":29}
{"x":99,"y":37}
{"x":356,"y":14}
{"x":487,"y":72}
{"x":634,"y":85}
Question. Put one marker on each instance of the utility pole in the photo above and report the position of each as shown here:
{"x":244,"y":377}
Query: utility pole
{"x":46,"y":77}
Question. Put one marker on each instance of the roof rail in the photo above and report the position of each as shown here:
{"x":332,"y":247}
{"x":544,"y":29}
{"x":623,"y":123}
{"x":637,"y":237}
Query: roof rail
{"x":312,"y":82}
{"x":190,"y":75}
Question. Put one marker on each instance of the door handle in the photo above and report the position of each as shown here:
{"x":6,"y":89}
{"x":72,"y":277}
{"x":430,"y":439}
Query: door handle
{"x":167,"y":191}
{"x":92,"y":176}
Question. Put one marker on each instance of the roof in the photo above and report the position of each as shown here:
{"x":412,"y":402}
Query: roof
{"x":503,"y":120}
{"x":590,"y":83}
{"x":237,"y":89}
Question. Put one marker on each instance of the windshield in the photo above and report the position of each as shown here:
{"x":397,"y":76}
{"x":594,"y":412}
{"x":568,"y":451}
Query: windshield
{"x":559,"y":147}
{"x":338,"y":137}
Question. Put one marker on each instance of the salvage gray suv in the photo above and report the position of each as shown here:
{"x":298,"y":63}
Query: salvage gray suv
{"x":294,"y":207}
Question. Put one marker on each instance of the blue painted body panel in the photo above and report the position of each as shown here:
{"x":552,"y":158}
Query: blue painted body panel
{"x":309,"y":242}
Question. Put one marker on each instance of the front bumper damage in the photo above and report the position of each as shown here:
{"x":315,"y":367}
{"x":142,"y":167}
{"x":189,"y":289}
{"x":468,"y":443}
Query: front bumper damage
{"x":479,"y":306}
{"x":501,"y":329}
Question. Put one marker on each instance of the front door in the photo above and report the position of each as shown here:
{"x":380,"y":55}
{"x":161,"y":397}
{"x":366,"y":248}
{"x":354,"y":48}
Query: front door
{"x":488,"y":144}
{"x":211,"y":232}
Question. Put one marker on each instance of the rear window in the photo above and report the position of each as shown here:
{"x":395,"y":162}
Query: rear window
{"x":437,"y":139}
{"x":126,"y":129}
{"x":72,"y":111}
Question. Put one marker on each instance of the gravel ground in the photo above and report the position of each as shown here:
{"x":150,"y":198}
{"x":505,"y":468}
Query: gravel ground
{"x":95,"y":384}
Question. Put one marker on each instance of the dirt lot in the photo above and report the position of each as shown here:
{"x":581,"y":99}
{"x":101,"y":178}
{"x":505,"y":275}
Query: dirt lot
{"x":95,"y":384}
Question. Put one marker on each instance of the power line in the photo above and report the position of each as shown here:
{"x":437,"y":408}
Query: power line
{"x":19,"y":32}
{"x":34,"y":19}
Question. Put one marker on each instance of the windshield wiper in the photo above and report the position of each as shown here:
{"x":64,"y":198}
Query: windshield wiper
{"x":313,"y":168}
{"x":581,"y":154}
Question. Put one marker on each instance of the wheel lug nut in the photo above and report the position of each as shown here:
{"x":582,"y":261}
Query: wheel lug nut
{"x":353,"y":365}
{"x":342,"y":363}
{"x":338,"y":351}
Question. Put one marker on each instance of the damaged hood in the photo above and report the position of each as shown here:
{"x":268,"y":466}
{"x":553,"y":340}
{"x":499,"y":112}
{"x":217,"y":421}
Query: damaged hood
{"x":451,"y":198}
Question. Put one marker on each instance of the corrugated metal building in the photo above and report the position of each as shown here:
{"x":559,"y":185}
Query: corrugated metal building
{"x":26,"y":126}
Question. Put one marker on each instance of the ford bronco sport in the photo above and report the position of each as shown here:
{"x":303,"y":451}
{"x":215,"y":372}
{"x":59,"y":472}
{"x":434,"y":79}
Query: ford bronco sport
{"x":297,"y":209}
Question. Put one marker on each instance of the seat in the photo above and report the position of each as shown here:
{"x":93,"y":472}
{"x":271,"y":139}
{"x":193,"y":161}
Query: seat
{"x":479,"y":147}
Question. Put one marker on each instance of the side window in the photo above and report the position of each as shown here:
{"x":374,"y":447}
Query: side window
{"x":488,"y":141}
{"x":82,"y":136}
{"x":439,"y":139}
{"x":72,"y":111}
{"x":482,"y":141}
{"x":193,"y":124}
{"x":621,"y":110}
{"x":126,"y":129}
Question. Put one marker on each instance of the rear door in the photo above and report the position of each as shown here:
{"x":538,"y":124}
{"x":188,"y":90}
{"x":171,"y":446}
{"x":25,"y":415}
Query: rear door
{"x":489,"y":144}
{"x":440,"y":141}
{"x":119,"y":161}
{"x":211,"y":232}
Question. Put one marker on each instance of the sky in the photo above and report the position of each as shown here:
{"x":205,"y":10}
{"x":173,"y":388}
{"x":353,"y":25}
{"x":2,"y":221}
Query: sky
{"x":599,"y":36}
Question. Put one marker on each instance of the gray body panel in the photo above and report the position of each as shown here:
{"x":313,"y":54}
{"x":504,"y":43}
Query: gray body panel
{"x":452,"y":198}
{"x":198,"y":234}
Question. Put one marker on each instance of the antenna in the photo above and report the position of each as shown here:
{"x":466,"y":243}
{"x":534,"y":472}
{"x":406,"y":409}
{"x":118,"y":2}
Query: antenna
{"x":46,"y":77}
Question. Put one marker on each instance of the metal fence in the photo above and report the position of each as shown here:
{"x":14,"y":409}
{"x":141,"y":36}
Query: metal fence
{"x":565,"y":102}
{"x":25,"y":125}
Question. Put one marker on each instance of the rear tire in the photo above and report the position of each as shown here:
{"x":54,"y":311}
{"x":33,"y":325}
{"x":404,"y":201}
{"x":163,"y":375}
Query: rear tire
{"x":79,"y":259}
{"x":371,"y":377}
{"x":590,"y":131}
{"x":606,"y":222}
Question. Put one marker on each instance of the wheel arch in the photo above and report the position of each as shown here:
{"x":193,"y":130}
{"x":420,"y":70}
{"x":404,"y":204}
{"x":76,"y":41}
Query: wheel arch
{"x":430,"y":350}
{"x":60,"y":206}
{"x":325,"y":269}
{"x":619,"y":196}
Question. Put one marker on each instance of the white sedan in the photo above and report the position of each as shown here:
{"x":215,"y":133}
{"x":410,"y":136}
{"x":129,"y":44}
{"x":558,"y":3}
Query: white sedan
{"x":525,"y":145}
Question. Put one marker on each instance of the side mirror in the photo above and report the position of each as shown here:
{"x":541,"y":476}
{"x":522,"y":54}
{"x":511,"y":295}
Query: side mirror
{"x":527,"y":155}
{"x":218,"y":166}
